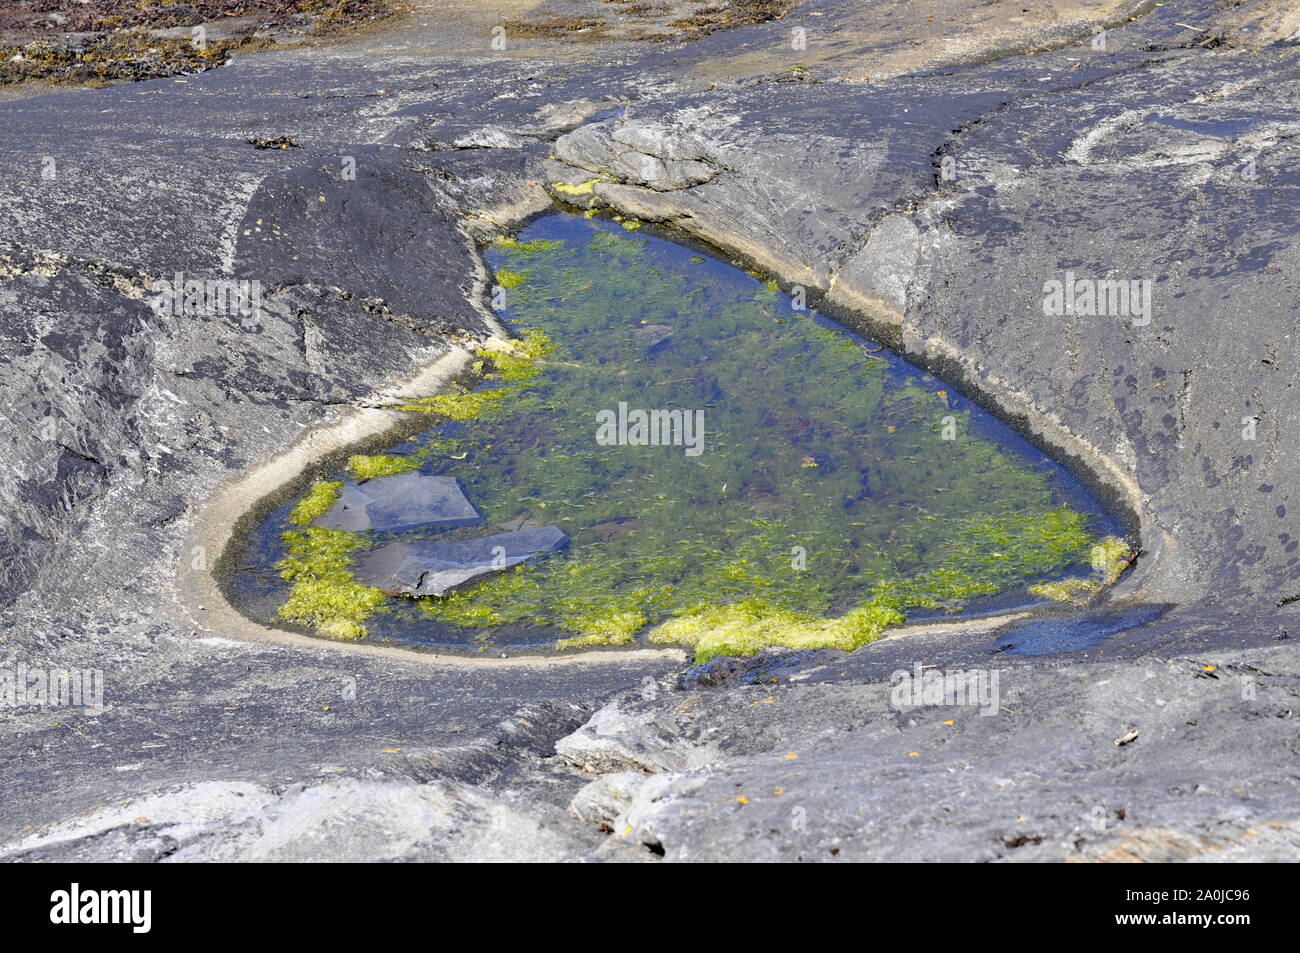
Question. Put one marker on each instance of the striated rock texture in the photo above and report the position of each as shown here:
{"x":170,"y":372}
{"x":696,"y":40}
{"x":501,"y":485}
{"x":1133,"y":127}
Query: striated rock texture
{"x":927,"y":190}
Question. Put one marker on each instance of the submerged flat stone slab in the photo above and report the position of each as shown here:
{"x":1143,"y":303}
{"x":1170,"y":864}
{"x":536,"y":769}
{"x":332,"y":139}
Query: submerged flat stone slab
{"x":435,"y":567}
{"x":399,"y":503}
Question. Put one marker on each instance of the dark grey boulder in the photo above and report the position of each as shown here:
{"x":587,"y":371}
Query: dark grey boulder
{"x":430,"y":567}
{"x":399,"y":503}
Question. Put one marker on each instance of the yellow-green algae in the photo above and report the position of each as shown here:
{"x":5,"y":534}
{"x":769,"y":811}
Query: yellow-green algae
{"x":373,"y":467}
{"x":463,"y":406}
{"x":511,"y":279}
{"x":749,"y":626}
{"x":323,"y":595}
{"x":603,"y":628}
{"x":522,"y":251}
{"x":319,"y":498}
{"x":582,"y":188}
{"x":1110,"y":558}
{"x":506,"y":371}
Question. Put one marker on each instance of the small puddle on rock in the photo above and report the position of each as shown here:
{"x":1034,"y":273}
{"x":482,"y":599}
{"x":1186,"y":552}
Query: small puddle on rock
{"x":1058,"y":636}
{"x":674,"y":454}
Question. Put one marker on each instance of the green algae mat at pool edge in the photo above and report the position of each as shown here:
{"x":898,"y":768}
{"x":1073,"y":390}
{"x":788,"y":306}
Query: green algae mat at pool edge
{"x":731,"y":473}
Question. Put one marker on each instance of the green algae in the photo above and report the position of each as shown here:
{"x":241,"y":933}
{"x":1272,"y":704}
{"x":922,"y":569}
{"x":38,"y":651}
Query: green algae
{"x":1076,"y":590}
{"x":749,"y":626}
{"x":603,"y":628}
{"x":462,"y":406}
{"x":511,"y":279}
{"x":522,"y":251}
{"x":507,"y":370}
{"x":582,"y":188}
{"x":319,"y":498}
{"x":1110,"y":558}
{"x":517,"y":362}
{"x":847,"y":467}
{"x":374,"y":467}
{"x":323,"y":594}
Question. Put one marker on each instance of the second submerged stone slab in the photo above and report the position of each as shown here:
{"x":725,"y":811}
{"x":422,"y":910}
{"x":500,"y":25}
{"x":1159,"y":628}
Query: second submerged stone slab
{"x":399,"y":503}
{"x":434,"y":567}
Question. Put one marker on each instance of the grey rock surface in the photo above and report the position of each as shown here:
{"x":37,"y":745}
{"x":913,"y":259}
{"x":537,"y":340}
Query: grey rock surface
{"x":395,"y":504}
{"x":1170,"y":155}
{"x":826,"y":767}
{"x":434,"y":567}
{"x":601,"y":802}
{"x":611,"y":741}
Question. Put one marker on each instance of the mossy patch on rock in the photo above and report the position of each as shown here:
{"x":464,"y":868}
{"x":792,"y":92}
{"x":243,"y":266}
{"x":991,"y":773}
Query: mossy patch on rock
{"x":574,"y":190}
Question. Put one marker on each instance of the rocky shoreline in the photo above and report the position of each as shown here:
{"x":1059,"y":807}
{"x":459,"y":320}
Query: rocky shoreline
{"x":97,"y":42}
{"x":1167,"y":154}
